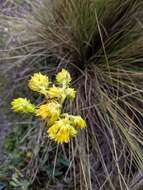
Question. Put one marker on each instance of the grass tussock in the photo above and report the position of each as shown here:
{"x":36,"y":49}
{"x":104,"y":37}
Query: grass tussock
{"x":100,"y":42}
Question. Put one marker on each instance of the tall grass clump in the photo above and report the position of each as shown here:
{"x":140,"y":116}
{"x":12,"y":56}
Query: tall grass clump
{"x":101,"y":43}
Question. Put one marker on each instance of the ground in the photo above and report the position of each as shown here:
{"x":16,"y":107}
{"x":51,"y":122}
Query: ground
{"x":7,"y":8}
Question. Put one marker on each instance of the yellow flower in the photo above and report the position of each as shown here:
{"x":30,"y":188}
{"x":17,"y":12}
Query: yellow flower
{"x":22,"y":105}
{"x":49,"y":111}
{"x":56,"y":92}
{"x":62,"y":131}
{"x":78,"y":122}
{"x":39,"y":83}
{"x":63,"y":77}
{"x":70,"y":93}
{"x":29,"y":154}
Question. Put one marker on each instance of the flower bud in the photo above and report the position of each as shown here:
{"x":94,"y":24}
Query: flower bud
{"x":70,"y":93}
{"x":78,"y":122}
{"x":63,"y":77}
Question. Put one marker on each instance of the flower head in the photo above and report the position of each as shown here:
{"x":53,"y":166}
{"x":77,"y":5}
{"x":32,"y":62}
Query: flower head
{"x":62,"y":131}
{"x":78,"y":122}
{"x":49,"y":111}
{"x":39,"y":83}
{"x":70,"y":93}
{"x":57,"y":92}
{"x":23,"y":105}
{"x":63,"y":77}
{"x":29,"y":154}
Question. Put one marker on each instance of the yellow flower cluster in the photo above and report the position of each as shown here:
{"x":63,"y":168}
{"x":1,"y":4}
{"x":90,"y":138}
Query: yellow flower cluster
{"x":23,"y":105}
{"x":63,"y":77}
{"x":62,"y":131}
{"x":61,"y":127}
{"x":50,"y":111}
{"x":39,"y":83}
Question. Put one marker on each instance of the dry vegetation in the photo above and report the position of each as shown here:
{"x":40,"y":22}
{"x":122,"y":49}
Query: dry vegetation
{"x":101,"y":43}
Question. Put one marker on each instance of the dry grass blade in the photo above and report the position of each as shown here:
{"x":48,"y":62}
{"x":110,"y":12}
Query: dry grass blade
{"x":100,"y":42}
